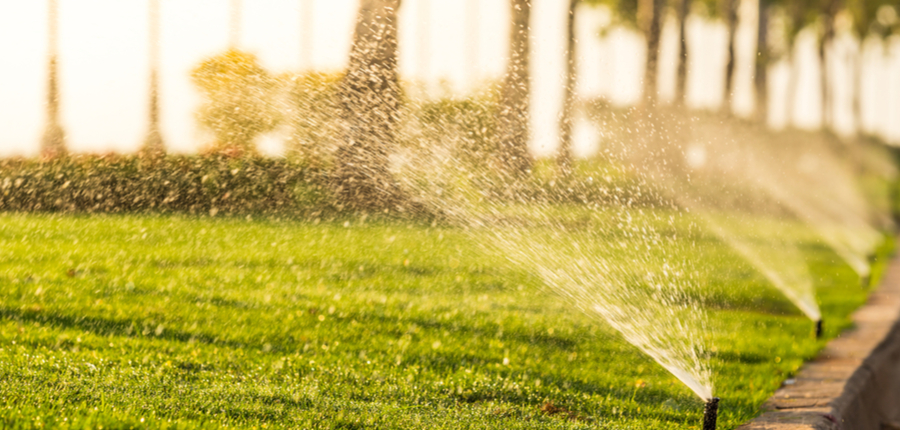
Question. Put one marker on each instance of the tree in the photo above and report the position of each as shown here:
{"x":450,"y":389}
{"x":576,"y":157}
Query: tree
{"x":681,"y":77}
{"x":564,"y":158}
{"x":729,"y":10}
{"x":761,"y":69}
{"x":653,"y":30}
{"x":831,"y":9}
{"x":369,"y":102}
{"x":512,"y":116}
{"x":153,"y":143}
{"x":866,"y":17}
{"x":53,"y":142}
{"x":865,"y":24}
{"x":238,"y":107}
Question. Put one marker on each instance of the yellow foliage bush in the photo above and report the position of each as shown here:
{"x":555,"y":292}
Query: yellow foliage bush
{"x":240,"y":101}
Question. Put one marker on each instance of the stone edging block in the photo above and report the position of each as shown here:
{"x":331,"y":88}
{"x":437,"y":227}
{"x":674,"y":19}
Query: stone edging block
{"x":854,"y":384}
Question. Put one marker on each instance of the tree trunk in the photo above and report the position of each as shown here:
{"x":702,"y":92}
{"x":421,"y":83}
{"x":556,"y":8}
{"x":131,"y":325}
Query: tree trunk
{"x":564,"y":158}
{"x":831,"y":11}
{"x":512,"y":118}
{"x":762,"y":63}
{"x":681,"y":79}
{"x":730,"y":10}
{"x":653,"y":36}
{"x":153,"y":143}
{"x":53,"y":142}
{"x":369,"y":98}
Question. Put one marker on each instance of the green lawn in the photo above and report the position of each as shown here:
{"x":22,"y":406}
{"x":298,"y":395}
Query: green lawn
{"x":179,"y":322}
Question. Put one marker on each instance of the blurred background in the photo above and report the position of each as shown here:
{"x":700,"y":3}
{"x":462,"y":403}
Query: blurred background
{"x":107,"y":49}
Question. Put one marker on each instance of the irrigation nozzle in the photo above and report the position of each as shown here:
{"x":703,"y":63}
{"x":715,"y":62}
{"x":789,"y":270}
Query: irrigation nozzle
{"x":819,"y":329}
{"x":710,"y":414}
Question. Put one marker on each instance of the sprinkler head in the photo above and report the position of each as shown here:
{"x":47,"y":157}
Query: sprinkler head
{"x":819,"y":329}
{"x":710,"y":414}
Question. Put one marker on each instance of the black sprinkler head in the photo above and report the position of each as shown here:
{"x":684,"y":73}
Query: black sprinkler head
{"x":819,"y":329}
{"x":710,"y":414}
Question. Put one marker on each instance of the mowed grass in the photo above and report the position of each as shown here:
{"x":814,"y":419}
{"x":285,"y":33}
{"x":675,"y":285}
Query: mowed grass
{"x":179,"y":322}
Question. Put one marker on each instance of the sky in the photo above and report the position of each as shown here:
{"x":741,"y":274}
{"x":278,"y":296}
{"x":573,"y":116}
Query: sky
{"x":104,"y":64}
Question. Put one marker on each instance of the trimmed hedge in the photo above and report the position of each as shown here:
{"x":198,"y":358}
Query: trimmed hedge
{"x":220,"y":184}
{"x":209,"y":184}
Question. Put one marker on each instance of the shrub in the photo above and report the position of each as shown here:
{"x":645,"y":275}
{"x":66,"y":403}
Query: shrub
{"x":314,"y":116}
{"x":239,"y":103}
{"x":211,"y":184}
{"x":470,"y":122}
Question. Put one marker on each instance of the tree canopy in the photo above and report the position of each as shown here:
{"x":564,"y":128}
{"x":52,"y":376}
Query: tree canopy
{"x":238,"y":96}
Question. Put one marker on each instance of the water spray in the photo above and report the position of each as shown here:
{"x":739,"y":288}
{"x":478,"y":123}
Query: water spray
{"x":866,"y":280}
{"x":710,"y":414}
{"x":819,"y":329}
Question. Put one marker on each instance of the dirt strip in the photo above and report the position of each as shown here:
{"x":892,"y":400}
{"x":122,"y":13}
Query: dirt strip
{"x":854,"y":384}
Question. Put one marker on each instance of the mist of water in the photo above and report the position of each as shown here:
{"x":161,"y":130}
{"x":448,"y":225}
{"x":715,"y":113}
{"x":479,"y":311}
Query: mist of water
{"x":606,"y":250}
{"x":814,"y":181}
{"x":716,"y":180}
{"x":823,"y":193}
{"x":778,"y":259}
{"x":635,"y":277}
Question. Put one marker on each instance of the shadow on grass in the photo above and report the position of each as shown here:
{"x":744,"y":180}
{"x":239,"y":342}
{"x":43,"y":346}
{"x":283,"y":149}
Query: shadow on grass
{"x":110,"y":327}
{"x":741,"y":357}
{"x":104,"y":326}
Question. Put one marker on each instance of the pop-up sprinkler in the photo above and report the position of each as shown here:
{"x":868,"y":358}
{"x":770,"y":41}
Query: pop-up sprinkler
{"x":819,"y":329}
{"x":710,"y":414}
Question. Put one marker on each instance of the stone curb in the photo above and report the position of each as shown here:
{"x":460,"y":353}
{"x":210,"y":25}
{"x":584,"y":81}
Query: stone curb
{"x":854,"y":384}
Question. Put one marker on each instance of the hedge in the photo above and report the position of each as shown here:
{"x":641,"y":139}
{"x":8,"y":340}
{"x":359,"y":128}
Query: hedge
{"x":210,"y":184}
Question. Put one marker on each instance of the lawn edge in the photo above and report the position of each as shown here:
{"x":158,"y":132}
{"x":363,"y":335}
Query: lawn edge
{"x":854,"y":383}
